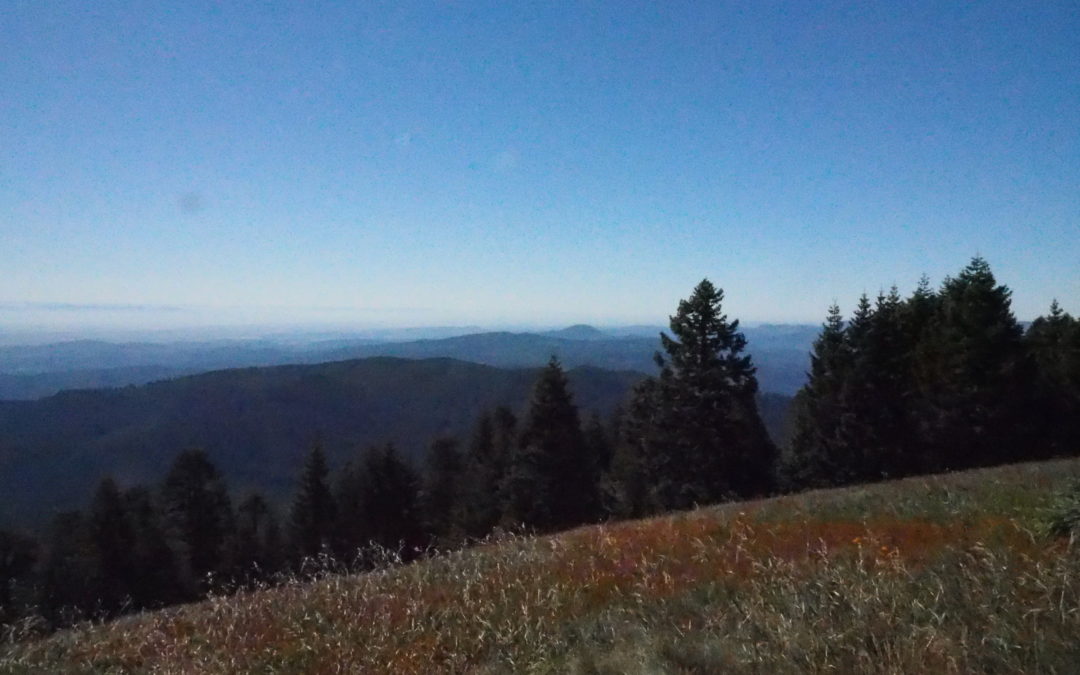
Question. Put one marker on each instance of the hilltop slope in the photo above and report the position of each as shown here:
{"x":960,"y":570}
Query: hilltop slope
{"x":936,"y":574}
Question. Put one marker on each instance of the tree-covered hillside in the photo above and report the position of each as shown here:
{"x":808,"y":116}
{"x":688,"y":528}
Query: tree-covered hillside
{"x":256,"y":423}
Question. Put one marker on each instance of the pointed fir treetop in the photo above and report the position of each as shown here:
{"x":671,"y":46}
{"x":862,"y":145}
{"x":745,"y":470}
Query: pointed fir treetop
{"x":1057,"y":313}
{"x":191,"y":469}
{"x":974,"y":300}
{"x":977,"y":270}
{"x":705,"y":344}
{"x":1049,"y":335}
{"x":858,"y":329}
{"x":977,"y":280}
{"x":313,"y":497}
{"x":831,"y":339}
{"x":552,"y":403}
{"x":834,"y":320}
{"x":923,"y":289}
{"x":829,"y":345}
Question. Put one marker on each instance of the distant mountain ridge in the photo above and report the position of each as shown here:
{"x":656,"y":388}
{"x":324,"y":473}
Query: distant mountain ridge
{"x":780,"y":353}
{"x":578,"y":331}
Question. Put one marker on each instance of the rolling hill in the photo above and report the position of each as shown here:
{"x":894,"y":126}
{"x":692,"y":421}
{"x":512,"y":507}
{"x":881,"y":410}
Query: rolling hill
{"x":939,"y":574}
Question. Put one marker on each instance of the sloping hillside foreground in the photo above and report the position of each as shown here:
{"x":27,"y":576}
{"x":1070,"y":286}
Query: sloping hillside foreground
{"x":944,"y":574}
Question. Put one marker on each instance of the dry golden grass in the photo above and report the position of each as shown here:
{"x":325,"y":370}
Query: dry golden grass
{"x":946,"y":574}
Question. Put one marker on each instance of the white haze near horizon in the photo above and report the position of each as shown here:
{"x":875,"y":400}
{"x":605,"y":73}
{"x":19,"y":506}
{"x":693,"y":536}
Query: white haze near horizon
{"x":37,"y":323}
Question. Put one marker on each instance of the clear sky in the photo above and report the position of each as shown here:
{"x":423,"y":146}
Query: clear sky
{"x":530,"y":162}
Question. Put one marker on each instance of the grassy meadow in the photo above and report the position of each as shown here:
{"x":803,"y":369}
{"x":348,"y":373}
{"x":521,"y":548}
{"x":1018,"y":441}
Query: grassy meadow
{"x":957,"y":573}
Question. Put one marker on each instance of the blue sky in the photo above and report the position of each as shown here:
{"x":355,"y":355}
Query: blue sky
{"x":512,"y":162}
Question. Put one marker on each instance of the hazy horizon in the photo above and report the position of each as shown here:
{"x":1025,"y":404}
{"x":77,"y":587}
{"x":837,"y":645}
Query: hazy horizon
{"x":96,"y":323}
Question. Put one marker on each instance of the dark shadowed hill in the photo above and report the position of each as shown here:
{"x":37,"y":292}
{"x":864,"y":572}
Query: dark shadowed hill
{"x":256,"y":423}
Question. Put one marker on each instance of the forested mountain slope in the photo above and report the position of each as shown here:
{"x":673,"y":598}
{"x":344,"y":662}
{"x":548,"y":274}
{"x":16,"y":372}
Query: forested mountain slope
{"x":257,"y":424}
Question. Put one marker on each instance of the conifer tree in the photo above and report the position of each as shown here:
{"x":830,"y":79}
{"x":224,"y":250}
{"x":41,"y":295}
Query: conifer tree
{"x":526,"y":490}
{"x":482,"y":478}
{"x":442,"y":496}
{"x":487,"y":462}
{"x":198,"y":516}
{"x":258,"y":540}
{"x":890,"y":389}
{"x":706,"y":441}
{"x":974,"y":374}
{"x":872,"y":436}
{"x":599,"y":444}
{"x":379,"y":495}
{"x":112,"y":542}
{"x":351,"y":530}
{"x":918,"y":315}
{"x":627,"y":482}
{"x":552,"y":480}
{"x":155,"y":581}
{"x":311,"y":520}
{"x":855,"y":440}
{"x":1053,"y":341}
{"x":815,"y":458}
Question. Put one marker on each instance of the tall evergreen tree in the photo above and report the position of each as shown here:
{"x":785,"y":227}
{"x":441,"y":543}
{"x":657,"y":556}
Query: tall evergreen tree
{"x":112,"y":541}
{"x":482,"y":479}
{"x":379,"y":495}
{"x":975,"y":374}
{"x":552,"y":482}
{"x":487,"y":461}
{"x":627,"y":482}
{"x":815,"y":457}
{"x":155,"y":582}
{"x":1053,"y":342}
{"x":442,"y":497}
{"x":872,"y":438}
{"x":706,"y":441}
{"x":351,"y":530}
{"x":259,"y":551}
{"x":918,"y":316}
{"x":855,"y":441}
{"x":887,"y":369}
{"x":601,"y":439}
{"x":311,"y":520}
{"x":198,"y":516}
